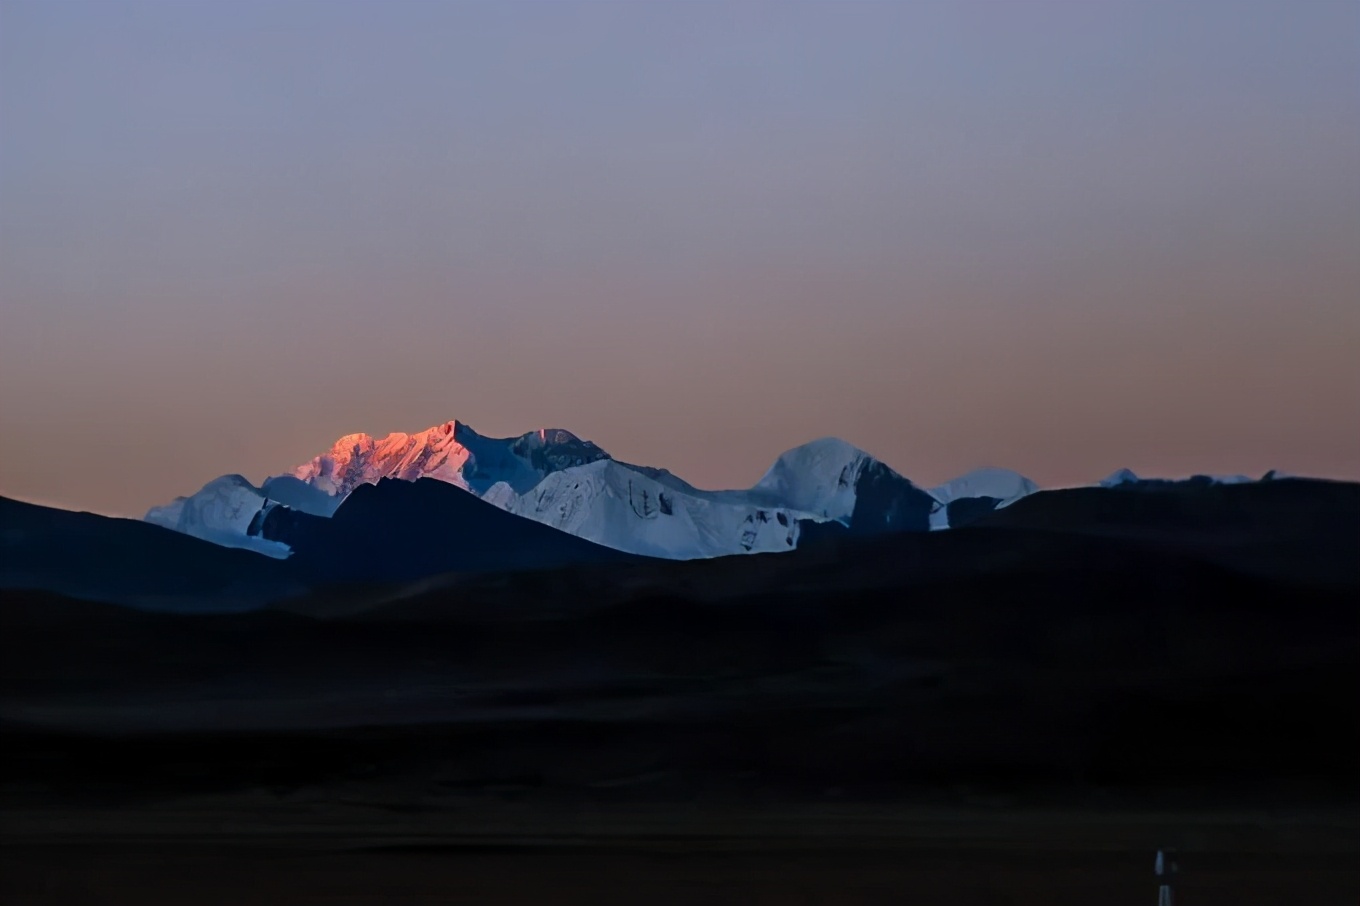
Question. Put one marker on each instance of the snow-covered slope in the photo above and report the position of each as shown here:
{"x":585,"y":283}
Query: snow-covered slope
{"x":650,"y":511}
{"x":221,"y":512}
{"x":817,"y":477}
{"x":621,"y":507}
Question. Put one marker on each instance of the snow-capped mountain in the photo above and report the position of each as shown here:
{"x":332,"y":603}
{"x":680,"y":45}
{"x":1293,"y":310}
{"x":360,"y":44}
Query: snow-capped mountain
{"x":818,"y":477}
{"x":830,"y":479}
{"x":553,"y":477}
{"x":451,"y":452}
{"x":221,"y":511}
{"x":1118,"y":477}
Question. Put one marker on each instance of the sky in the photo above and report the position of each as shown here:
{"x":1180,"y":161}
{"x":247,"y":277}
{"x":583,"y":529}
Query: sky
{"x":1058,"y":236}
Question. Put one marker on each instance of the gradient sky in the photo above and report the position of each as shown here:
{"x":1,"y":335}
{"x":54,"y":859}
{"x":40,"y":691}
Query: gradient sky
{"x":1061,"y":237}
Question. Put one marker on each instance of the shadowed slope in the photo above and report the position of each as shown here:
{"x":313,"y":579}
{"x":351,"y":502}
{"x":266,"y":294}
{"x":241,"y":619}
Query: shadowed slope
{"x":398,"y":530}
{"x":131,"y":562}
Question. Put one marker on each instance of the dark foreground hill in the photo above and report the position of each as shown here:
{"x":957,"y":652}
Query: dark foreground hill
{"x":1098,"y":637}
{"x":391,"y":531}
{"x":1293,"y":529}
{"x":994,"y":655}
{"x":1108,"y":676}
{"x":875,"y":663}
{"x":128,"y":561}
{"x":398,"y":530}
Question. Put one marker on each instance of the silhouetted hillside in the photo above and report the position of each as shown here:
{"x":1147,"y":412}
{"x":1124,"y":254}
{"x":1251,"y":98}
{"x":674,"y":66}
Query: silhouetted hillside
{"x":397,"y":530}
{"x":1300,"y":530}
{"x":131,"y":562}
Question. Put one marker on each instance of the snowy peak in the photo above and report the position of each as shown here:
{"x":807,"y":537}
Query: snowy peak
{"x":231,"y":496}
{"x":450,"y":452}
{"x":817,"y":477}
{"x":221,"y":511}
{"x":357,"y":459}
{"x":831,"y":479}
{"x":1118,"y":477}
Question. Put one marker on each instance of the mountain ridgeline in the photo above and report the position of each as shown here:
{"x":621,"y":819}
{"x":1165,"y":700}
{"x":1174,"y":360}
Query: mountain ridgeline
{"x":581,"y":507}
{"x":555,"y":478}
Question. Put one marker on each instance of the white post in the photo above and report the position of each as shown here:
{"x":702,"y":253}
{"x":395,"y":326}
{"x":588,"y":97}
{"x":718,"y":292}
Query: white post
{"x":1164,"y":868}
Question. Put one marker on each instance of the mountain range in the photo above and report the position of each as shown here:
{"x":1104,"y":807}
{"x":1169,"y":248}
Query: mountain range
{"x":553,"y":477}
{"x":447,"y":500}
